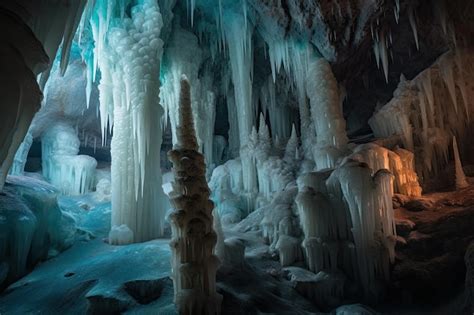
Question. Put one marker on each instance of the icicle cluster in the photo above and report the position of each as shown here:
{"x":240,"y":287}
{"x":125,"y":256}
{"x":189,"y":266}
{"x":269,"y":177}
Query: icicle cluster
{"x":428,"y":110}
{"x":194,"y":264}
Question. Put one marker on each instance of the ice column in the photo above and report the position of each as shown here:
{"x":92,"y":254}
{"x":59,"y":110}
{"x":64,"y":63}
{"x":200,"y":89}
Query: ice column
{"x":193,"y":262}
{"x":369,"y":202}
{"x":326,"y":111}
{"x":129,"y":92}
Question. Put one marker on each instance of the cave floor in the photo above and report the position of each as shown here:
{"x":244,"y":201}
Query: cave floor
{"x":97,"y":278}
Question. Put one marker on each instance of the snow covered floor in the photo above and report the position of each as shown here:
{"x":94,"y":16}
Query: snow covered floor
{"x":93,"y":276}
{"x":97,"y":278}
{"x":110,"y":279}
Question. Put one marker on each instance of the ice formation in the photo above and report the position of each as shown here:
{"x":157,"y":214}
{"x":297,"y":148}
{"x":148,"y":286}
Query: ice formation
{"x":348,"y":223}
{"x":425,"y":113}
{"x":238,"y":34}
{"x":194,"y":263}
{"x":73,"y":174}
{"x":461,"y":181}
{"x":128,"y":52}
{"x":326,"y":112}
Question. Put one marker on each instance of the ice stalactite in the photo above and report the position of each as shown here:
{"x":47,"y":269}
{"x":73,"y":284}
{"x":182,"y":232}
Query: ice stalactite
{"x":73,"y":174}
{"x":128,"y":56}
{"x":461,"y":181}
{"x":293,"y":57}
{"x":424,"y":112}
{"x":381,"y":46}
{"x":412,"y":19}
{"x":21,"y":155}
{"x":176,"y":62}
{"x":194,"y":263}
{"x":326,"y":112}
{"x":238,"y":33}
{"x":54,"y":25}
{"x":275,"y":103}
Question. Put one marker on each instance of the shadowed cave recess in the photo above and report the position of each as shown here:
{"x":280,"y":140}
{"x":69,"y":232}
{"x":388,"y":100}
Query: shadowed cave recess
{"x":237,"y":157}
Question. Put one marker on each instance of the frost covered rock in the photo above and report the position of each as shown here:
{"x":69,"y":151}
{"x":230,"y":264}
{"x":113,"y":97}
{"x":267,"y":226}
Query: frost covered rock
{"x":354,"y":309}
{"x":428,"y":110}
{"x":326,"y":289}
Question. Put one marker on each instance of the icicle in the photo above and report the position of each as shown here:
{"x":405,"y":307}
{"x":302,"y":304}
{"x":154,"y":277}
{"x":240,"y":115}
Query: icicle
{"x":383,"y":53}
{"x":446,"y":69}
{"x":411,"y":17}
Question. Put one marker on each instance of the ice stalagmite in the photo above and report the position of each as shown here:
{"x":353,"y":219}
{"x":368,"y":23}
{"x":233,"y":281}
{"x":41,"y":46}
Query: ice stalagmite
{"x":461,"y":181}
{"x":194,"y":263}
{"x":129,"y":59}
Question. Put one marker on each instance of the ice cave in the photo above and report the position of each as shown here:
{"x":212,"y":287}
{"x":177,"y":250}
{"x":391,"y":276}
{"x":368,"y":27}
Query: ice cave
{"x":213,"y":157}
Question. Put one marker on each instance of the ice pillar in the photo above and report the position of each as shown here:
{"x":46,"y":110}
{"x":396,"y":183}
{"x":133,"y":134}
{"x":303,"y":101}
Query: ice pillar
{"x":129,"y":92}
{"x":326,"y":111}
{"x":193,"y":262}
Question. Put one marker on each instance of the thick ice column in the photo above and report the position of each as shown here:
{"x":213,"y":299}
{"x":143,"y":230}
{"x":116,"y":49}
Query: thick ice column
{"x":368,"y":200}
{"x":194,"y":264}
{"x":326,"y":111}
{"x":129,"y":92}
